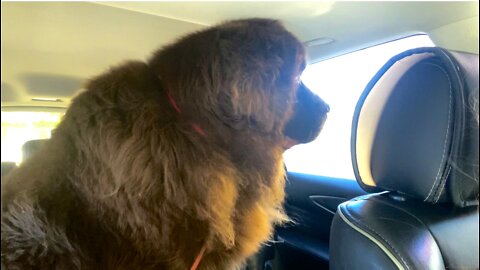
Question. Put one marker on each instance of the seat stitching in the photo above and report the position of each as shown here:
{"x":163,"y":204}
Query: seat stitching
{"x":442,"y":186}
{"x":447,"y":132}
{"x":379,"y":235}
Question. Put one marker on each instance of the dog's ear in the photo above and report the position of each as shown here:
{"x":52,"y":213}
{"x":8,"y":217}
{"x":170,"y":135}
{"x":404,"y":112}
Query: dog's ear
{"x":249,"y":101}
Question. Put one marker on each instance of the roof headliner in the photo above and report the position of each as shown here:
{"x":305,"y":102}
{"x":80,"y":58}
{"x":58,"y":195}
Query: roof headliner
{"x":50,"y":48}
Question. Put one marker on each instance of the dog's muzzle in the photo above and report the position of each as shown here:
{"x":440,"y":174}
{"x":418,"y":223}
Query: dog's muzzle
{"x":309,"y":115}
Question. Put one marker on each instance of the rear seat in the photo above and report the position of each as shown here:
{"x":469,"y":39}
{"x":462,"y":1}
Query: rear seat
{"x":31,"y":147}
{"x":7,"y":167}
{"x":28,"y":149}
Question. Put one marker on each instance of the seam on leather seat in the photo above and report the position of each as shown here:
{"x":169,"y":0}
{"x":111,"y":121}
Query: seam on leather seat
{"x":374,"y":240}
{"x":440,"y":191}
{"x":376,"y":200}
{"x":438,"y":177}
{"x":412,"y":216}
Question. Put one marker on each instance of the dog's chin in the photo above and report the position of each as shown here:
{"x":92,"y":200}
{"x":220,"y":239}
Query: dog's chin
{"x":289,"y":143}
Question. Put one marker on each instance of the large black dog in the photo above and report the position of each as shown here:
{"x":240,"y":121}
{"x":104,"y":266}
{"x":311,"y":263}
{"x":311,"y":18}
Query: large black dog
{"x":171,"y":164}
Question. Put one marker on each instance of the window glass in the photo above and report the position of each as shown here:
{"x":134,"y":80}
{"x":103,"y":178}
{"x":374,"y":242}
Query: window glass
{"x":19,"y":127}
{"x":340,"y":81}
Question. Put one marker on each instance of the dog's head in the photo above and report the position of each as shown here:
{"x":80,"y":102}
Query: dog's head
{"x":246,"y":74}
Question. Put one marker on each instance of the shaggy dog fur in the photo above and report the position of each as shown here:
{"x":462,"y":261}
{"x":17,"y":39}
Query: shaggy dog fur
{"x":156,"y":160}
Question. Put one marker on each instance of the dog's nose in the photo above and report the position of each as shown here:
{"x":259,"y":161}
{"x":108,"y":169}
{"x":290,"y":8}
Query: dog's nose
{"x":317,"y":101}
{"x":322,"y":105}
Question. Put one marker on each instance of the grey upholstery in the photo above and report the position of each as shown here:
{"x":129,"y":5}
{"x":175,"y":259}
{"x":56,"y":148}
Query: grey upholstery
{"x":415,"y":148}
{"x":31,"y":147}
{"x":7,"y":167}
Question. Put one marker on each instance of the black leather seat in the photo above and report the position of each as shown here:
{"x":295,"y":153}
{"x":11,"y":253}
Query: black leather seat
{"x":415,"y":149}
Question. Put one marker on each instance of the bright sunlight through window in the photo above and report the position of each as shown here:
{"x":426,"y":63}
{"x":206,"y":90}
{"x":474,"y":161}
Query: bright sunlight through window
{"x":340,"y":81}
{"x":20,"y":127}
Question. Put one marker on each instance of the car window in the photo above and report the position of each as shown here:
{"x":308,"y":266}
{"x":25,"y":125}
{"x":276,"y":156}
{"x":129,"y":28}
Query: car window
{"x":19,"y":127}
{"x":340,"y":81}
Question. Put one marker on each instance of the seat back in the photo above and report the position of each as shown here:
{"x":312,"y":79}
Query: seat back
{"x":7,"y":167}
{"x":415,"y":148}
{"x":31,"y":147}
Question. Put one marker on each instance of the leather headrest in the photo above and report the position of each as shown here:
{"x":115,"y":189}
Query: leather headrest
{"x":415,"y":127}
{"x":30,"y":147}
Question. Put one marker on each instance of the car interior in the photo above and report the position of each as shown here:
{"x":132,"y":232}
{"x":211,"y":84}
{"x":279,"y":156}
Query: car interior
{"x":408,"y":198}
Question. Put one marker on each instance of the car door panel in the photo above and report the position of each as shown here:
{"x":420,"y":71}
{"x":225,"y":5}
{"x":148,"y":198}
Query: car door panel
{"x":311,"y":203}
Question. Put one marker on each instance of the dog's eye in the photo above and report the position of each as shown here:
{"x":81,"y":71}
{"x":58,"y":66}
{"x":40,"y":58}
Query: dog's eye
{"x":298,"y":81}
{"x":303,"y":65}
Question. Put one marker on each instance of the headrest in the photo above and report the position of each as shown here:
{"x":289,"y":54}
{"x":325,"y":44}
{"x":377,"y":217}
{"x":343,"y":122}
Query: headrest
{"x":30,"y":147}
{"x":415,"y":127}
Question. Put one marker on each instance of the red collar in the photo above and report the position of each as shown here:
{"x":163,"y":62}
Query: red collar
{"x":195,"y":126}
{"x":198,"y":258}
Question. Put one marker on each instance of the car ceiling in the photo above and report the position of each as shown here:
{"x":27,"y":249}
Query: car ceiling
{"x":49,"y":49}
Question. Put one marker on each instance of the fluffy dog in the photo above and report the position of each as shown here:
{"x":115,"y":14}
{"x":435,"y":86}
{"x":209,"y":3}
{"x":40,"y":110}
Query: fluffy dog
{"x":171,"y":164}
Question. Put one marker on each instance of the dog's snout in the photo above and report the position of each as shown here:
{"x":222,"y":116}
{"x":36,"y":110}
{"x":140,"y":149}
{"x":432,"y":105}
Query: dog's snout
{"x":307,"y":93}
{"x":309,"y":115}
